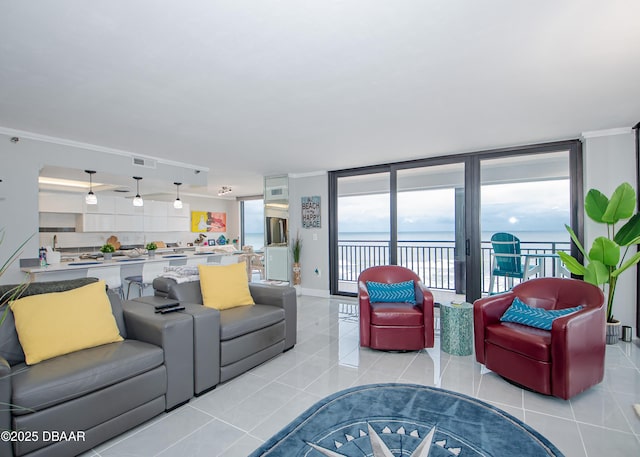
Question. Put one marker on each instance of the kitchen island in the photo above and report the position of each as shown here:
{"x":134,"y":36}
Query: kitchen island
{"x":129,"y":266}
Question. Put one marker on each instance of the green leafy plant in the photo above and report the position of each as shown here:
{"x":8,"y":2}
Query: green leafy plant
{"x":106,"y":248}
{"x":13,"y":293}
{"x":606,"y":259}
{"x":296,"y":247}
{"x":151,"y":246}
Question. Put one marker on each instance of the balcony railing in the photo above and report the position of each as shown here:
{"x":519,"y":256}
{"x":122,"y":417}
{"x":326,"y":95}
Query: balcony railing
{"x":435,"y":261}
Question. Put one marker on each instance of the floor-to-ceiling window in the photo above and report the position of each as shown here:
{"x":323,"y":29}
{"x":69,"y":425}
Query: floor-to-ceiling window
{"x":363,"y":226}
{"x":252,"y":223}
{"x":436,"y":216}
{"x":430,"y":225}
{"x":527,"y":196}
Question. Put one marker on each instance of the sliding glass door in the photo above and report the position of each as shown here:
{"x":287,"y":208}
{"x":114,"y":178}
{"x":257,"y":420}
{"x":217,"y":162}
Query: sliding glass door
{"x":363,"y":227}
{"x":527,"y":198}
{"x":437,"y":217}
{"x":430,"y":224}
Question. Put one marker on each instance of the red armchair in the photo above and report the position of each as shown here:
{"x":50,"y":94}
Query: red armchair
{"x":395,"y":326}
{"x":561,"y":362}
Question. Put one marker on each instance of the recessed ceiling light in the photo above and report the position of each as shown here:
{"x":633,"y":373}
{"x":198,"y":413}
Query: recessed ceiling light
{"x":65,"y":182}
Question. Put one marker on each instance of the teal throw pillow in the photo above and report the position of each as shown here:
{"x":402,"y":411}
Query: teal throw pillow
{"x":521,"y":313}
{"x":399,"y":292}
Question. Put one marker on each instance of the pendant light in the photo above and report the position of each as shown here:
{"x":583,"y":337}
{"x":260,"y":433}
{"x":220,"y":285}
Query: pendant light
{"x":137,"y":200}
{"x":177,"y":204}
{"x":90,"y":198}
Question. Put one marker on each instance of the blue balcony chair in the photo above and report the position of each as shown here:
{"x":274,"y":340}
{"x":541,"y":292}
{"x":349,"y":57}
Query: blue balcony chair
{"x":509,"y":262}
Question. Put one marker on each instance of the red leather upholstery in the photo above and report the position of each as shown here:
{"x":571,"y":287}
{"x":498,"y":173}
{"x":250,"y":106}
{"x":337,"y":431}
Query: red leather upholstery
{"x":563,"y":361}
{"x":395,"y":326}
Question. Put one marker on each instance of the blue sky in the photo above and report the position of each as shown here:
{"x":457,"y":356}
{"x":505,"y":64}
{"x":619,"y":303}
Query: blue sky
{"x":532,"y":206}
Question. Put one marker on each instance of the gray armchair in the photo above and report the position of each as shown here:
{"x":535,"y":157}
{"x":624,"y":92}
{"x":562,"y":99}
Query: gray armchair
{"x":230,"y":342}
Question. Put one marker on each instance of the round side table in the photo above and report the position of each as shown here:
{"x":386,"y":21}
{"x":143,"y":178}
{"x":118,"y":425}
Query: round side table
{"x":456,"y":334}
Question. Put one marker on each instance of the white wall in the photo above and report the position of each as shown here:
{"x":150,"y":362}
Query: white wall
{"x":21,"y":165}
{"x":315,"y":242}
{"x":609,"y":160}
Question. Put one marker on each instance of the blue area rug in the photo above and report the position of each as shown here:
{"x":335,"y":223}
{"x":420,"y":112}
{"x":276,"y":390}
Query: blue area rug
{"x":387,"y":420}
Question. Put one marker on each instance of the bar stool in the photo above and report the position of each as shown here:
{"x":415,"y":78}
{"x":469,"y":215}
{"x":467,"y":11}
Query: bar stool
{"x":110,"y":275}
{"x":197,"y":260}
{"x":150,"y":271}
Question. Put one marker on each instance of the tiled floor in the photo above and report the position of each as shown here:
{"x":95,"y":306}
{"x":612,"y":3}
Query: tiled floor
{"x":239,"y":415}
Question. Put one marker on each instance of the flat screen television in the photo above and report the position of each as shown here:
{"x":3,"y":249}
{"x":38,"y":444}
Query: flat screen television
{"x":276,"y":230}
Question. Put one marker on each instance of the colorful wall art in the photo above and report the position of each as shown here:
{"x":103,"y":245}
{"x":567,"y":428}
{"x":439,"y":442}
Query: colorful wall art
{"x":203,"y":221}
{"x":310,"y":212}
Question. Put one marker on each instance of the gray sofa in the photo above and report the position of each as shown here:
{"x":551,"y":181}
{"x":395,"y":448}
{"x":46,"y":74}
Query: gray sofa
{"x":230,"y":342}
{"x":101,"y":391}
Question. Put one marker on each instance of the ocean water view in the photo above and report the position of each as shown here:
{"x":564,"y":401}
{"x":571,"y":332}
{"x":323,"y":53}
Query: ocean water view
{"x":524,"y":236}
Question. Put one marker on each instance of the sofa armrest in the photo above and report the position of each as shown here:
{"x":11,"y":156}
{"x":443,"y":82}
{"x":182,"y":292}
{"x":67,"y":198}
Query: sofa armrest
{"x":424,"y":298}
{"x":365,"y":314}
{"x":5,"y":405}
{"x":577,"y":349}
{"x":487,"y":311}
{"x":283,"y":297}
{"x":206,"y":341}
{"x":173,"y":332}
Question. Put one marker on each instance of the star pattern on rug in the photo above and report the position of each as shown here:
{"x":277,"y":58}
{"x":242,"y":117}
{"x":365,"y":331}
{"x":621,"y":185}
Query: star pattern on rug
{"x":380,"y":448}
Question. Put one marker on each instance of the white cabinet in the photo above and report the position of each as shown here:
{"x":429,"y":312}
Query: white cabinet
{"x":179,"y":212}
{"x":106,"y":205}
{"x":60,"y":203}
{"x":129,"y":223}
{"x":277,"y":262}
{"x":117,"y":214}
{"x":96,"y":223}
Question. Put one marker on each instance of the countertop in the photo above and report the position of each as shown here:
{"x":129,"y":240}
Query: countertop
{"x":79,"y":264}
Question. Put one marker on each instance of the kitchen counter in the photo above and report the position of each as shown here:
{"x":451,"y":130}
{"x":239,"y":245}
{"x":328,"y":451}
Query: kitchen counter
{"x":129,"y":266}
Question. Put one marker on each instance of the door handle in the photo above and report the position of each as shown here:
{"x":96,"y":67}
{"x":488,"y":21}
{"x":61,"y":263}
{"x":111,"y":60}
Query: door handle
{"x":467,"y":247}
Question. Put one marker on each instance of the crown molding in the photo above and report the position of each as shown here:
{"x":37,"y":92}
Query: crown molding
{"x":607,"y":132}
{"x":307,"y":175}
{"x":23,"y":134}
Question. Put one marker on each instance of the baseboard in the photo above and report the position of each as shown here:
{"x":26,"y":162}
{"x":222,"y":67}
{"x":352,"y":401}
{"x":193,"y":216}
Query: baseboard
{"x":314,"y":292}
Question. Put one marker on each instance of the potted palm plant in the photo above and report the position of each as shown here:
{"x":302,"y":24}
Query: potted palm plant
{"x":607,"y":258}
{"x":107,"y":251}
{"x":296,"y":247}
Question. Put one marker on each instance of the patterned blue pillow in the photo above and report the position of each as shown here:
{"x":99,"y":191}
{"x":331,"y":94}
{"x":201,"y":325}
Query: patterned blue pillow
{"x":400,"y":292}
{"x":521,"y":313}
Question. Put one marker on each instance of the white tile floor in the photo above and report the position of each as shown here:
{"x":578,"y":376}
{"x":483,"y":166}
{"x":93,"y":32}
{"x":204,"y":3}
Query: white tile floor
{"x":237,"y":416}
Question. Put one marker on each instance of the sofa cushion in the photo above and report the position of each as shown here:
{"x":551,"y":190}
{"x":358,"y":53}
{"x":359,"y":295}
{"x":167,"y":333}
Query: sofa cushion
{"x":74,"y":375}
{"x":10,"y":348}
{"x":224,"y":286}
{"x":53,"y":324}
{"x":245,"y":319}
{"x":396,"y":314}
{"x":528,"y":341}
{"x":400,"y":292}
{"x":524,"y":314}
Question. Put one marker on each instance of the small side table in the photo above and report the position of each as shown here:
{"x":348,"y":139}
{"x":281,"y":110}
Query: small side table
{"x":456,"y":333}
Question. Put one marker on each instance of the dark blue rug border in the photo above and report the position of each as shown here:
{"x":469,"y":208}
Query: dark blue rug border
{"x":290,"y":428}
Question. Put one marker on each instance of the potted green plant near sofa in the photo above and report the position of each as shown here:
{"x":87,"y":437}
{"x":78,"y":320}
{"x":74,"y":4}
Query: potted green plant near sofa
{"x":107,"y":251}
{"x":151,"y":249}
{"x":296,"y":248}
{"x":607,"y":258}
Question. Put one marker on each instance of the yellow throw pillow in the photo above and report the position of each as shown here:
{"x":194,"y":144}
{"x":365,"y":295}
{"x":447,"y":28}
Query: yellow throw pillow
{"x":58,"y":323}
{"x":225,"y":286}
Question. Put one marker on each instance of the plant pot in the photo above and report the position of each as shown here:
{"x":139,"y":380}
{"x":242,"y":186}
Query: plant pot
{"x":613,"y":332}
{"x":296,"y":274}
{"x":152,"y":254}
{"x":107,"y":255}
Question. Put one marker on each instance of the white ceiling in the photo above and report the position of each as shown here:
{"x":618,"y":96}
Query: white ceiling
{"x":254,"y":88}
